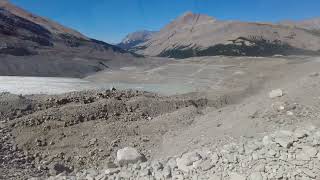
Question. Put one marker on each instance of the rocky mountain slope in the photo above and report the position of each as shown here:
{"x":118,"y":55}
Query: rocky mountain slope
{"x":310,"y":24}
{"x":32,"y":45}
{"x":201,"y":35}
{"x":133,"y":39}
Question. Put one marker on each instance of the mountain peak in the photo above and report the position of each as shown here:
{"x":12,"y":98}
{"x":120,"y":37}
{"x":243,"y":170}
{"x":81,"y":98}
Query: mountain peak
{"x":188,"y":14}
{"x":194,"y":18}
{"x":136,"y":38}
{"x":190,"y":19}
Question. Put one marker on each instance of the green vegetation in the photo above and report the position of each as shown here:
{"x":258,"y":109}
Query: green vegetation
{"x":258,"y":47}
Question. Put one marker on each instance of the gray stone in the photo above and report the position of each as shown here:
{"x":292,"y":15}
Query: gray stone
{"x":172,"y":163}
{"x":267,"y":140}
{"x":260,"y":168}
{"x":101,"y":177}
{"x":300,"y":133}
{"x":125,"y":174}
{"x":128,"y":155}
{"x":306,"y":153}
{"x":236,"y":176}
{"x":256,"y":176}
{"x":206,"y":165}
{"x":215,"y":157}
{"x":215,"y":177}
{"x":157,"y":166}
{"x":167,"y":172}
{"x":290,"y":113}
{"x":284,"y":138}
{"x":112,"y":171}
{"x":276,"y":93}
{"x":310,"y":151}
{"x":272,"y":152}
{"x":309,"y":173}
{"x":58,"y":168}
{"x":186,"y":161}
{"x":93,"y":141}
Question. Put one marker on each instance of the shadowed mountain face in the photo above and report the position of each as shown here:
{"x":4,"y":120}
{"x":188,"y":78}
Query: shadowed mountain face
{"x":32,"y":45}
{"x":136,"y":38}
{"x":201,"y":35}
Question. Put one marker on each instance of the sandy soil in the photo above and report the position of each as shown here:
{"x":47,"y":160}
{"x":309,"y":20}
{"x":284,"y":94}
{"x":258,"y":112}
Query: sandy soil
{"x":230,"y":102}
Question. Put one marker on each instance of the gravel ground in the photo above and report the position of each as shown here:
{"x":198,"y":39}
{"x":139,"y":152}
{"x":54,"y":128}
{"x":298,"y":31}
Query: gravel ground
{"x":219,"y":133}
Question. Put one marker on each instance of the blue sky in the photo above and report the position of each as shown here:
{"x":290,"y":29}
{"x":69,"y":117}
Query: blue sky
{"x":111,"y":20}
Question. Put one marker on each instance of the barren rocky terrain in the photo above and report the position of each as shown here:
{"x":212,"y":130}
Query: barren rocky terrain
{"x":258,"y":119}
{"x":234,"y":108}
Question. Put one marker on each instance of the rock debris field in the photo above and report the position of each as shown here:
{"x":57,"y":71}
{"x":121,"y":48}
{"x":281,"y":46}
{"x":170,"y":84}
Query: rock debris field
{"x":260,"y":125}
{"x":281,"y":155}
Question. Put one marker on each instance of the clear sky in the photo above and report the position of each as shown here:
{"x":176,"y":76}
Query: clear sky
{"x":111,"y":20}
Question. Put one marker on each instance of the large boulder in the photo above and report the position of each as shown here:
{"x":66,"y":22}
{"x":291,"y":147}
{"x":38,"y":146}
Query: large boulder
{"x":185,"y":163}
{"x":236,"y":176}
{"x":129,"y":155}
{"x":276,"y":93}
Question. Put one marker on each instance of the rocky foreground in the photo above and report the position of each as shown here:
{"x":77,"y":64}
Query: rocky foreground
{"x":281,"y":155}
{"x":111,"y":134}
{"x":43,"y":136}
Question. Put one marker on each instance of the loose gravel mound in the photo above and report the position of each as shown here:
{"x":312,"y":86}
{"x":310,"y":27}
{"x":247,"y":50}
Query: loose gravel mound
{"x":280,"y":155}
{"x":45,"y":135}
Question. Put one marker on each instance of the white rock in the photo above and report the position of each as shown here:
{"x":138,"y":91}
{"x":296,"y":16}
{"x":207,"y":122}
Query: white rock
{"x":301,"y":156}
{"x":276,"y":93}
{"x":101,"y":177}
{"x":301,"y":133}
{"x":186,"y":161}
{"x":112,"y":171}
{"x":215,"y":177}
{"x":236,"y":176}
{"x":214,"y":157}
{"x":267,"y":140}
{"x":256,"y":176}
{"x":309,"y":173}
{"x":128,"y":155}
{"x":272,"y":152}
{"x":281,"y":108}
{"x":284,"y":141}
{"x":307,"y":153}
{"x":289,"y":113}
{"x":172,"y":163}
{"x":167,"y":173}
{"x":178,"y":177}
{"x":206,"y":165}
{"x":260,"y":168}
{"x":284,"y":138}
